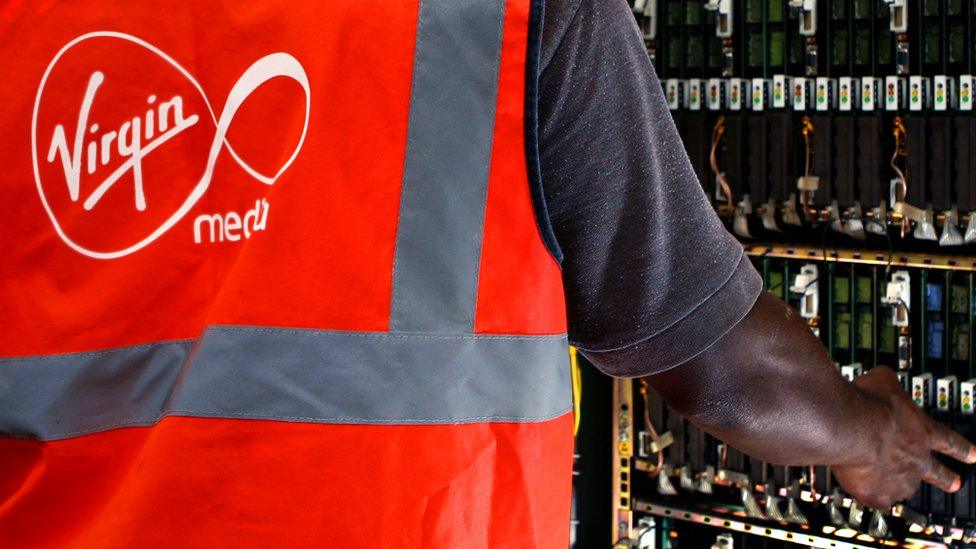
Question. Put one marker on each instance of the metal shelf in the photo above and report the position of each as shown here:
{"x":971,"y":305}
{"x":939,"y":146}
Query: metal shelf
{"x":865,"y":257}
{"x":834,"y":539}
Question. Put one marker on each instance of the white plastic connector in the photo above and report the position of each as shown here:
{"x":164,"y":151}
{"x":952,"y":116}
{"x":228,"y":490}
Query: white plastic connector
{"x":724,"y":541}
{"x":922,"y":390}
{"x":824,"y":94}
{"x":716,"y":94}
{"x":806,"y":11}
{"x":967,"y":389}
{"x":694,"y":90}
{"x":781,"y":90}
{"x":737,"y":93}
{"x":869,"y":92}
{"x":672,"y":93}
{"x":852,"y":371}
{"x":799,"y":93}
{"x":965,"y":102}
{"x":894,"y":93}
{"x":899,"y":15}
{"x":899,"y":295}
{"x":848,"y":93}
{"x":943,"y":92}
{"x":723,"y":16}
{"x":759,"y":94}
{"x":651,"y":12}
{"x":918,"y":93}
{"x":806,"y":285}
{"x":945,"y":393}
{"x":646,"y":533}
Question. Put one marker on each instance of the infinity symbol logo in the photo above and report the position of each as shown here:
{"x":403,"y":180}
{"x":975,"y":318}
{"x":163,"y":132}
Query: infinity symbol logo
{"x":85,"y":149}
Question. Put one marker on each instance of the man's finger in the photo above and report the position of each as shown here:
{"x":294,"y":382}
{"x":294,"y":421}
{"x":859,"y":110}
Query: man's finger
{"x":952,"y":444}
{"x":942,"y":477}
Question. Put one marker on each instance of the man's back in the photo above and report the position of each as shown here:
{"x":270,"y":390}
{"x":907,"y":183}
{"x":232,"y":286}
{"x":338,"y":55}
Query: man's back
{"x":284,"y":283}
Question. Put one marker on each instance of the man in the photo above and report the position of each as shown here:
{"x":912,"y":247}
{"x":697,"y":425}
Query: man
{"x":281,"y":273}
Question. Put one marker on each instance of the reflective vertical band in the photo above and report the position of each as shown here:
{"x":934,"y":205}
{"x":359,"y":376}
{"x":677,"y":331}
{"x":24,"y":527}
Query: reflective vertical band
{"x":445,"y":177}
{"x":289,"y":375}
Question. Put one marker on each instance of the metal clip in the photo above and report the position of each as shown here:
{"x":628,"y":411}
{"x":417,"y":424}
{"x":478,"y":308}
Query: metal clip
{"x":772,"y":504}
{"x":704,"y":484}
{"x":769,"y":217}
{"x":833,"y":214}
{"x":855,"y":516}
{"x":878,"y":526}
{"x":971,"y":229}
{"x":792,"y":217}
{"x":793,"y":512}
{"x":750,"y":504}
{"x":950,"y":232}
{"x":833,"y":509}
{"x":740,"y":220}
{"x":664,"y":485}
{"x":855,"y":223}
{"x":878,"y":224}
{"x":684,"y":478}
{"x":925,"y":228}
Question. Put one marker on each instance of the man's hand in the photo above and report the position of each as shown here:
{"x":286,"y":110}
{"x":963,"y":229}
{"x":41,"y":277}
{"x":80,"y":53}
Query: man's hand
{"x":769,"y":388}
{"x":901,"y":457}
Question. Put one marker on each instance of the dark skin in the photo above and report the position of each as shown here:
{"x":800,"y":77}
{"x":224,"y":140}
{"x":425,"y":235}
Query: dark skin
{"x":769,"y":388}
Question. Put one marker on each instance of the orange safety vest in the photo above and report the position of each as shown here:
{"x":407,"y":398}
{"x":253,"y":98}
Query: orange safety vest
{"x":272,"y":277}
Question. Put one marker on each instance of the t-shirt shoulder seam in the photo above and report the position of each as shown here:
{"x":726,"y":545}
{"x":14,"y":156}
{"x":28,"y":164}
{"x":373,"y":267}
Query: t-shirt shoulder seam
{"x":558,"y":43}
{"x":640,"y":340}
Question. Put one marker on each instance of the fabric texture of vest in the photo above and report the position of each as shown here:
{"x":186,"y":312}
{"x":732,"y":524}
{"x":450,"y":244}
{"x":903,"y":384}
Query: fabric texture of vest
{"x":272,"y":276}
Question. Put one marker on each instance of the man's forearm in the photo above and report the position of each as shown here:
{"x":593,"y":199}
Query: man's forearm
{"x":769,"y":388}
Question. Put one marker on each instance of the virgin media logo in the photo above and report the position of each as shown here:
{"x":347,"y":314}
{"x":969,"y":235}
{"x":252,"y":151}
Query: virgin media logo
{"x":125,"y":142}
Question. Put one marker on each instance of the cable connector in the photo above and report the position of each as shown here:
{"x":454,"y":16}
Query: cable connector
{"x":723,"y":16}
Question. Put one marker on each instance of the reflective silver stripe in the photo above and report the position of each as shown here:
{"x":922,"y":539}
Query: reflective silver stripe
{"x":445,"y":177}
{"x":59,"y":396}
{"x":290,"y":375}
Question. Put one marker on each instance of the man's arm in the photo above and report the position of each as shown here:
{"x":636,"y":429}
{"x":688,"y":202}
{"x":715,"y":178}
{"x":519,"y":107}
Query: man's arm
{"x":769,"y":388}
{"x":655,"y":285}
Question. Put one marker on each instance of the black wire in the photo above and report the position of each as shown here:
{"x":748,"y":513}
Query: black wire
{"x":823,"y":237}
{"x":891,"y":249}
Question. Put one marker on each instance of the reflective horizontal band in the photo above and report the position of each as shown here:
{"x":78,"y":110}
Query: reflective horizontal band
{"x":289,"y":375}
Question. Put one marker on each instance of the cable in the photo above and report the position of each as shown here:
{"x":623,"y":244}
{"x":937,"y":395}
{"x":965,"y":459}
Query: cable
{"x":717,"y":132}
{"x":901,"y":148}
{"x":807,"y":129}
{"x":899,"y":132}
{"x":823,"y":237}
{"x":813,"y":482}
{"x":577,"y":376}
{"x":645,"y":391}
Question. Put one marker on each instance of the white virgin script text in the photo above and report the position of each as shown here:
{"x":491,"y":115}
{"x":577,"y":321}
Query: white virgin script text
{"x":155,"y":127}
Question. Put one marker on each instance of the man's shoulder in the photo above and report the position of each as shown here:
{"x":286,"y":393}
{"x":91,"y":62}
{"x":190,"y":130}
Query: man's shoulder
{"x":586,"y":18}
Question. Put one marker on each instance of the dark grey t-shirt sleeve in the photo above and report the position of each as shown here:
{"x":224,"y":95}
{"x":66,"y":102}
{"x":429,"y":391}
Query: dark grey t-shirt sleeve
{"x":652,"y":277}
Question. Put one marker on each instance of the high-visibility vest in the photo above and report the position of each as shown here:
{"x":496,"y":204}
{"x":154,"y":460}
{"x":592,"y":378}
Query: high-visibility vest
{"x":271,"y":276}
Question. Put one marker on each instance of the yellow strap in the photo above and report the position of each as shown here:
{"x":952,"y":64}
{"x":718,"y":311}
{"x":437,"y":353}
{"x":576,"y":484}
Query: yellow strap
{"x":577,"y":388}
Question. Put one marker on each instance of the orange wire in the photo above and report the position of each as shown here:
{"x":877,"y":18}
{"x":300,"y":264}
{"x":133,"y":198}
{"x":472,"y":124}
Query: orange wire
{"x":901,"y":149}
{"x":717,"y":132}
{"x":807,"y":130}
{"x":645,"y":390}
